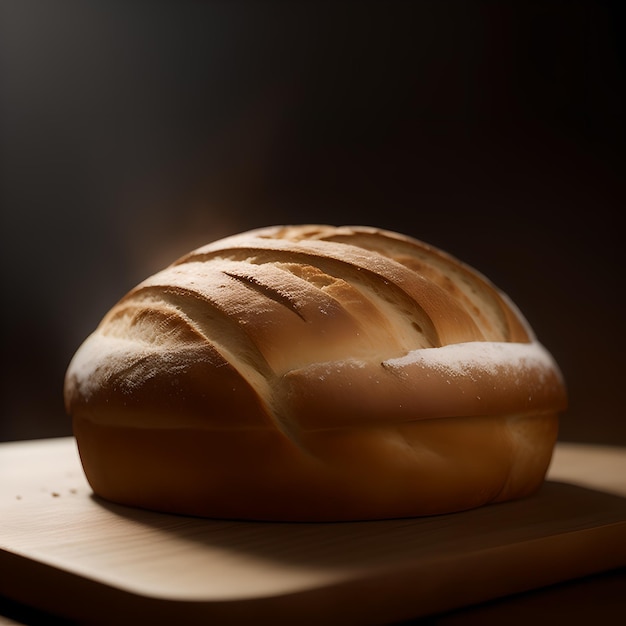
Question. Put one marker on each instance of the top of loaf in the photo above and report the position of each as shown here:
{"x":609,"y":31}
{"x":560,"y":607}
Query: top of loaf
{"x":384,"y":292}
{"x":268,"y":304}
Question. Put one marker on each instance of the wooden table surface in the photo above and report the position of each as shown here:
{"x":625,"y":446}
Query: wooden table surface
{"x":70,"y":554}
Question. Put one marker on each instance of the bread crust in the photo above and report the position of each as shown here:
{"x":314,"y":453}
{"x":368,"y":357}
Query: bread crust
{"x":314,"y":373}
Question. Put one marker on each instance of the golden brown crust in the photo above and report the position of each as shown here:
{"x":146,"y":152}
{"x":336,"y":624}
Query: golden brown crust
{"x":314,"y":372}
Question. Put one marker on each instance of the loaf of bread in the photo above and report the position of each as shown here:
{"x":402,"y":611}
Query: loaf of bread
{"x":314,"y":373}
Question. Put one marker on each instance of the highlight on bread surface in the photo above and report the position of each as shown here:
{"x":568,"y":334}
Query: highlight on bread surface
{"x":314,"y":373}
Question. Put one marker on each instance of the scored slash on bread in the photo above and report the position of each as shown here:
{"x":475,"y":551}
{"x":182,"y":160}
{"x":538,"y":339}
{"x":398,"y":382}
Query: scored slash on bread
{"x":314,"y":373}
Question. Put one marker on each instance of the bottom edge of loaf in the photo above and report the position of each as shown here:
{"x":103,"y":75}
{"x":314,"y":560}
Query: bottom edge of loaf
{"x":419,"y":468}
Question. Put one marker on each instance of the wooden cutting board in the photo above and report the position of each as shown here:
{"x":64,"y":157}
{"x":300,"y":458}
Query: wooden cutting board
{"x":66,"y":552}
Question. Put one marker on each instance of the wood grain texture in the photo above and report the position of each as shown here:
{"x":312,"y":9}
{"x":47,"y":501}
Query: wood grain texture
{"x":67,"y":552}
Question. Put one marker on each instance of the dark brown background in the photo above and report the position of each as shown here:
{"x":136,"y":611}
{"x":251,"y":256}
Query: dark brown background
{"x":133,"y":132}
